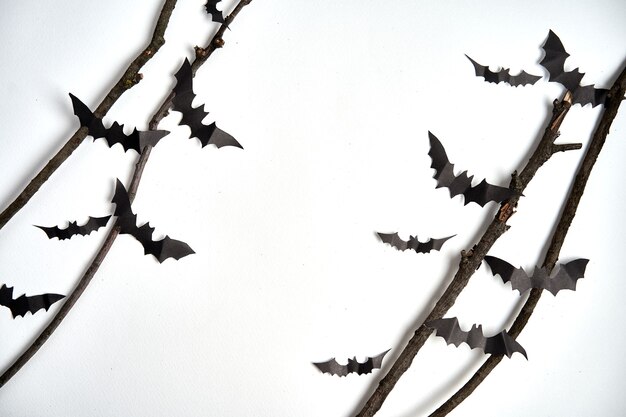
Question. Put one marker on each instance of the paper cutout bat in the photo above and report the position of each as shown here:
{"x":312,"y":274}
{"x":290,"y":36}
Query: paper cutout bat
{"x":462,"y":184}
{"x":93,"y":224}
{"x":503,"y":76}
{"x":193,"y":116}
{"x":420,"y":247}
{"x":211,"y":8}
{"x":127,"y":220}
{"x":23,"y":304}
{"x":500,"y":344}
{"x":564,"y":279}
{"x":554,"y":62}
{"x":332,"y":367}
{"x":136,"y":141}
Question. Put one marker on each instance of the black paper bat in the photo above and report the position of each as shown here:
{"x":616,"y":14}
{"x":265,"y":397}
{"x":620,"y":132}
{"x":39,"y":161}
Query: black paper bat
{"x":554,"y":62}
{"x":500,"y":344}
{"x":332,"y":367}
{"x":211,"y":8}
{"x":503,"y":76}
{"x":462,"y":184}
{"x":394,"y":240}
{"x":193,"y":116}
{"x":23,"y":304}
{"x":93,"y":224}
{"x":127,"y":220}
{"x":136,"y":141}
{"x":564,"y":279}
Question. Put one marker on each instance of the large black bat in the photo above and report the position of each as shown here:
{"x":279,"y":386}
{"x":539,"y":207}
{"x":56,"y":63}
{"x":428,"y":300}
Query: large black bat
{"x":73,"y":229}
{"x":554,"y":62}
{"x":500,"y":344}
{"x":193,"y":116}
{"x":420,"y":247}
{"x":136,"y":141}
{"x":23,"y":304}
{"x":462,"y":184}
{"x":564,"y":279}
{"x":211,"y":8}
{"x":127,"y":221}
{"x":332,"y":367}
{"x":503,"y":76}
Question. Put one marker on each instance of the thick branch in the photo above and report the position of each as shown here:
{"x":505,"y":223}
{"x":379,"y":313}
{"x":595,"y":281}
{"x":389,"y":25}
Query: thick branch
{"x":569,"y":211}
{"x":470,"y":260}
{"x":130,"y":77}
{"x":71,"y":299}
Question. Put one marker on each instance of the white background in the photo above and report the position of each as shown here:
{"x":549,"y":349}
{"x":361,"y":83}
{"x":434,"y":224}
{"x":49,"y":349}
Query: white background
{"x":332,"y":102}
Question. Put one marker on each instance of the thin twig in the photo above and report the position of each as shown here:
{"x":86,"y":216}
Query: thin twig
{"x":471,"y":259}
{"x":129,"y":79}
{"x":71,"y":299}
{"x":569,"y":211}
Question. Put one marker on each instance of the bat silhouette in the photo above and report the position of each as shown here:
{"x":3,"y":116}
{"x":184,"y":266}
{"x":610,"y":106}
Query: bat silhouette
{"x":503,"y":76}
{"x":127,"y":221}
{"x":332,"y":367}
{"x":462,"y":184}
{"x":564,"y":279}
{"x":554,"y":63}
{"x":93,"y":224}
{"x":193,"y":116}
{"x":211,"y":8}
{"x":136,"y":141}
{"x":500,"y":344}
{"x":23,"y":304}
{"x":394,"y":240}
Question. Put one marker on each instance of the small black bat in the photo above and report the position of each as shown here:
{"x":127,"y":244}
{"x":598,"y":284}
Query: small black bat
{"x":193,"y":116}
{"x":127,"y":221}
{"x":564,"y":279}
{"x":500,"y":344}
{"x":211,"y":8}
{"x":394,"y":240}
{"x":503,"y":76}
{"x":93,"y":224}
{"x":23,"y":304}
{"x":136,"y":141}
{"x":554,"y":62}
{"x":332,"y":367}
{"x":462,"y":184}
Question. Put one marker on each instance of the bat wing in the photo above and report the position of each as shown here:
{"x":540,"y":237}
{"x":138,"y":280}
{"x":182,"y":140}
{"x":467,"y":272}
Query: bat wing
{"x":332,"y":367}
{"x":394,"y":240}
{"x":23,"y":304}
{"x":115,"y":134}
{"x":555,"y":56}
{"x":503,"y":344}
{"x":451,"y":332}
{"x":523,"y":78}
{"x":211,"y":8}
{"x":193,"y":116}
{"x":567,"y":276}
{"x":518,"y":278}
{"x":127,"y":221}
{"x":93,"y":224}
{"x":588,"y":94}
{"x":462,"y":184}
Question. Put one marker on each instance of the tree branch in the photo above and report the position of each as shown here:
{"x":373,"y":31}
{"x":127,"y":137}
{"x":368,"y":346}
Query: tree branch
{"x":569,"y":211}
{"x":471,"y":259}
{"x":129,"y":79}
{"x":71,"y":299}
